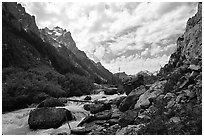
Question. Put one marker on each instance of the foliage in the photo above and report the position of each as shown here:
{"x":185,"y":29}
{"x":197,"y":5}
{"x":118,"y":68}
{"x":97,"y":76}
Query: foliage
{"x":76,"y":85}
{"x":21,"y":88}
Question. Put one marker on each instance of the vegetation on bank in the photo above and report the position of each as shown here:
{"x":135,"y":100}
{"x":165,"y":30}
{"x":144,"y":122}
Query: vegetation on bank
{"x":21,"y":88}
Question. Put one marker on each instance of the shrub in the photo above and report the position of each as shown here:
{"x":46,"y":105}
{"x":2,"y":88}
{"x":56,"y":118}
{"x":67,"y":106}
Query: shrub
{"x":76,"y":85}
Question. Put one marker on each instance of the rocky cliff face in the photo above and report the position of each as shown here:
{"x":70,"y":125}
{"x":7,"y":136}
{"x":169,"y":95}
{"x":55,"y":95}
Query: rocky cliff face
{"x":189,"y":45}
{"x":16,"y":14}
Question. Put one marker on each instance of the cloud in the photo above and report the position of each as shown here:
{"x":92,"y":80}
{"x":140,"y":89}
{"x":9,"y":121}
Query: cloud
{"x":119,"y":32}
{"x":134,"y":64}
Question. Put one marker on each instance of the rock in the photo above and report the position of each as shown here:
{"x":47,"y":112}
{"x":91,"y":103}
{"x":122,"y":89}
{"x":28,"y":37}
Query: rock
{"x":44,"y":118}
{"x":194,"y":67}
{"x":132,"y":98}
{"x":87,"y":107}
{"x":95,"y":108}
{"x":111,"y":91}
{"x":130,"y":130}
{"x":175,"y":119}
{"x":127,"y":118}
{"x":154,"y":91}
{"x":171,"y":103}
{"x":80,"y":131}
{"x":112,"y":121}
{"x":118,"y":100}
{"x":87,"y":98}
{"x":104,"y":115}
{"x":100,"y":122}
{"x":133,"y":84}
{"x":63,"y":100}
{"x":142,"y":118}
{"x":96,"y":129}
{"x":168,"y":96}
{"x":87,"y":119}
{"x":107,"y":131}
{"x":189,"y":93}
{"x":116,"y":113}
{"x":50,"y":102}
{"x":40,"y":97}
{"x":179,"y":98}
{"x":62,"y":133}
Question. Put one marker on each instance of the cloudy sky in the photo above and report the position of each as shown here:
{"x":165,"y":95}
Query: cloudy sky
{"x":133,"y":36}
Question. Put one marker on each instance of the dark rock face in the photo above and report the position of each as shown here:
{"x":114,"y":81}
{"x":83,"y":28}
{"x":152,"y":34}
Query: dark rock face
{"x":44,"y":118}
{"x":50,"y":102}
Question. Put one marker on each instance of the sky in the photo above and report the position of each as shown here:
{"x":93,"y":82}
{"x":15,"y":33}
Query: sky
{"x":131,"y":36}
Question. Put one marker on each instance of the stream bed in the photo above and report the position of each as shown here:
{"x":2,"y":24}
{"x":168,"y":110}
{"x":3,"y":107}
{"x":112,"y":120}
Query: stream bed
{"x":16,"y":122}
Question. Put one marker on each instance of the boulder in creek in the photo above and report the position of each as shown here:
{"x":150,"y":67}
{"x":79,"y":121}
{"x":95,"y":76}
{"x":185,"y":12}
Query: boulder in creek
{"x":87,"y":98}
{"x":132,"y":98}
{"x":104,"y":115}
{"x":48,"y":117}
{"x":111,"y":91}
{"x":50,"y":102}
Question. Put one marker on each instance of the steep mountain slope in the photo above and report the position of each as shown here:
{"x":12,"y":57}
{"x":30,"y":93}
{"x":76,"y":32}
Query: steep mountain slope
{"x":66,"y":46}
{"x":23,"y":46}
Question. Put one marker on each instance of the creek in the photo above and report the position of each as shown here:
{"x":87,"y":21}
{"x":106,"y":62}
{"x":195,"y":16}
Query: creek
{"x":16,"y":122}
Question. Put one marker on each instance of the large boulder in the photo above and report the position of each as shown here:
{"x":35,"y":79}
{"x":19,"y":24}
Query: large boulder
{"x":127,"y":118}
{"x":49,"y":117}
{"x":111,"y":91}
{"x":132,"y":98}
{"x":154,"y":91}
{"x":50,"y":102}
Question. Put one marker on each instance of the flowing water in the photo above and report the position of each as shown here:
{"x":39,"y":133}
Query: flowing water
{"x":16,"y":122}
